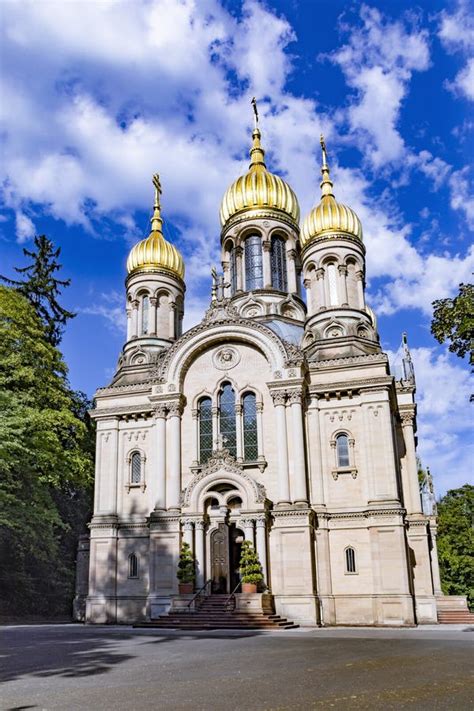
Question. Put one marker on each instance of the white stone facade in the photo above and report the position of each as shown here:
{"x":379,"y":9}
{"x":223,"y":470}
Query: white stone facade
{"x":328,"y":488}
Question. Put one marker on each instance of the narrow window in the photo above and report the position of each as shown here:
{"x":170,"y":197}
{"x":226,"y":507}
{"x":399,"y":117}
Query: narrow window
{"x":132,"y":566}
{"x":145,"y":314}
{"x":233,"y":271}
{"x":136,"y":473}
{"x":350,"y":560}
{"x":227,"y":419}
{"x":342,"y":449}
{"x":253,"y":263}
{"x":205,"y":429}
{"x":278,"y":264}
{"x":332,"y":282}
{"x":249,"y":404}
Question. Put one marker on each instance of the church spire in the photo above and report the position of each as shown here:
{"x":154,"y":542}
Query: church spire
{"x":257,"y":154}
{"x":326,"y":183}
{"x":156,"y":220}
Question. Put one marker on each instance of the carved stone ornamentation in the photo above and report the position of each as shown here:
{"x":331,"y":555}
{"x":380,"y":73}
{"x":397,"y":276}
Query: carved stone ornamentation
{"x":226,"y":358}
{"x":278,"y":397}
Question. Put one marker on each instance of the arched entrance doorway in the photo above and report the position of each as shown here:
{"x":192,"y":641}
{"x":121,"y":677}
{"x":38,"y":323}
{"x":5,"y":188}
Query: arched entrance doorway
{"x":226,"y":542}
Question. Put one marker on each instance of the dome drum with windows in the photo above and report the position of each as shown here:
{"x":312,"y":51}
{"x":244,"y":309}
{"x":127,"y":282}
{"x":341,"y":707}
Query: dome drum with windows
{"x":154,"y":252}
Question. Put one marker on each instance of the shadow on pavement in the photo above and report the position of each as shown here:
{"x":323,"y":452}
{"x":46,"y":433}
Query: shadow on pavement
{"x":78,"y":651}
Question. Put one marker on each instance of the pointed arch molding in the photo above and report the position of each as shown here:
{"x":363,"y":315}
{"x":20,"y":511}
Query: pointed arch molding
{"x":174,"y":365}
{"x":222,"y":468}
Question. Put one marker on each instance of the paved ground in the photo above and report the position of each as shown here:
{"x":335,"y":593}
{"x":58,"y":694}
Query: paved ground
{"x":71,"y":667}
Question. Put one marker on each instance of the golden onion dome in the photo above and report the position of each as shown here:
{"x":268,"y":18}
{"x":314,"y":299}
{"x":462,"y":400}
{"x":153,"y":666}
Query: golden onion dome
{"x":259,"y":190}
{"x":329,"y":216}
{"x":155,"y":252}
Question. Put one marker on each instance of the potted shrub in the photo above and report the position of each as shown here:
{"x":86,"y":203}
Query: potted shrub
{"x":250,"y":569}
{"x":186,"y":570}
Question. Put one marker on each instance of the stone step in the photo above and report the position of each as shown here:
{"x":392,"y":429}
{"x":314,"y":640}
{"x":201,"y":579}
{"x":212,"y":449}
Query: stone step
{"x":455,"y":617}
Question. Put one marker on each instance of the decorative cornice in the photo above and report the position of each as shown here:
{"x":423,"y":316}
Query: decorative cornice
{"x":343,"y":361}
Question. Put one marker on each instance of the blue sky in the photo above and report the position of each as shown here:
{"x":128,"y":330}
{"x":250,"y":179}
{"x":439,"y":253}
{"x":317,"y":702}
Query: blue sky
{"x":97,"y":96}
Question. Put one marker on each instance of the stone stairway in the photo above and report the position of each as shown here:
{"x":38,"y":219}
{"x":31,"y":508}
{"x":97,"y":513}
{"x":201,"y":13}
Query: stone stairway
{"x":214,"y":613}
{"x":455,"y":617}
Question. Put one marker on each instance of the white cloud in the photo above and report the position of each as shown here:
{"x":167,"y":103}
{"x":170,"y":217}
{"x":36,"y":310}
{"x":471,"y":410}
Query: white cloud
{"x":24,"y":227}
{"x":444,"y":417}
{"x":456,"y":32}
{"x":378,"y":62}
{"x":462,"y":196}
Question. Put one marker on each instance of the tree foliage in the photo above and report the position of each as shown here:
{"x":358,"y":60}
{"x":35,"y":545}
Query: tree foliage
{"x":250,"y":568}
{"x":46,"y":456}
{"x":453,"y":320}
{"x":186,"y":567}
{"x":42,"y":288}
{"x":456,"y":542}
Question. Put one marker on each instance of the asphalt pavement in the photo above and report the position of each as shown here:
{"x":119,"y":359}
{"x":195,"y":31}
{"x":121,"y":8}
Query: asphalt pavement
{"x":71,"y":667}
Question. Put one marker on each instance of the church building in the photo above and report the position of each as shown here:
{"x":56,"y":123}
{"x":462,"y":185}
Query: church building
{"x":276,"y":419}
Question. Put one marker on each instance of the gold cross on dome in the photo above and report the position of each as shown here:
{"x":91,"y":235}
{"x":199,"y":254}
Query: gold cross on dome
{"x":157,"y":184}
{"x":324,"y":149}
{"x":255,"y":110}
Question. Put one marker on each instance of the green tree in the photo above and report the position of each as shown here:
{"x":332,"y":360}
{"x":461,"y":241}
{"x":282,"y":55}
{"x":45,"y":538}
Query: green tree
{"x":250,"y":568}
{"x":42,"y":288}
{"x":46,"y":464}
{"x":456,"y":542}
{"x":453,"y":320}
{"x":186,"y":568}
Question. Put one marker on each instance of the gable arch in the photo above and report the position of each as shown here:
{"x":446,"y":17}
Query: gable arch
{"x":183,"y":352}
{"x":222,"y":471}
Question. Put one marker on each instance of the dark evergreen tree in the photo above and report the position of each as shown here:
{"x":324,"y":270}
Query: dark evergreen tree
{"x":42,"y":288}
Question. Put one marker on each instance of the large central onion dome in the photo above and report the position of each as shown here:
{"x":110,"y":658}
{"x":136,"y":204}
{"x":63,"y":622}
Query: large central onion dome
{"x":330,"y":218}
{"x":259,"y":191}
{"x":155,"y":252}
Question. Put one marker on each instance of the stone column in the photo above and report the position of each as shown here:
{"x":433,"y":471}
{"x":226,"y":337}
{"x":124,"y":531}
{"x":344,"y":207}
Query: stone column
{"x":298,"y":482}
{"x":360,"y":288}
{"x":412,"y":495}
{"x":291,"y":266}
{"x":172,"y":320}
{"x":307,"y":283}
{"x":226,"y":273}
{"x":342,"y":269}
{"x":314,"y":436}
{"x":260,"y":449}
{"x":195,"y":416}
{"x":160,"y":428}
{"x":261,"y":536}
{"x":215,"y":426}
{"x":238,"y":266}
{"x":200,"y":553}
{"x":247,"y":524}
{"x":134,"y":305}
{"x":129,"y":323}
{"x":321,"y":288}
{"x":188,"y":527}
{"x":267,"y":264}
{"x":173,"y":489}
{"x":152,"y":315}
{"x":279,"y":398}
{"x":434,"y":560}
{"x":239,"y":434}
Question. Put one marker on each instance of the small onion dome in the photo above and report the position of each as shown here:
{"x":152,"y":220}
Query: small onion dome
{"x":259,"y":189}
{"x":155,"y":252}
{"x":329,"y":216}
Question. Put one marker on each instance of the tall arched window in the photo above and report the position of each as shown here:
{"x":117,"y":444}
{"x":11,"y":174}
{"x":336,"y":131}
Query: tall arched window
{"x":205,"y":429}
{"x":145,"y":314}
{"x":278,"y":264}
{"x":253,"y":263}
{"x":233,"y":271}
{"x":249,"y":414}
{"x":227,"y":419}
{"x":332,"y":284}
{"x":132,"y":566}
{"x":342,"y":450}
{"x":350,"y":560}
{"x":136,"y":468}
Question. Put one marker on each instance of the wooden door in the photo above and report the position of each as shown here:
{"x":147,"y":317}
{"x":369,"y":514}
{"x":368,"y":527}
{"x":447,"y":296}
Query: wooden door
{"x":220,"y":559}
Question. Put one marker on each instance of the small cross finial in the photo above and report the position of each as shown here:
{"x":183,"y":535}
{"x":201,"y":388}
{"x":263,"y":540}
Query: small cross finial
{"x":255,"y":110}
{"x":157,"y":184}
{"x":324,"y":150}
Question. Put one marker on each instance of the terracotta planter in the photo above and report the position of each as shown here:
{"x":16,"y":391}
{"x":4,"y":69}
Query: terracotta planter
{"x":249,"y":588}
{"x":185,"y":588}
